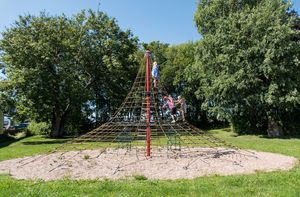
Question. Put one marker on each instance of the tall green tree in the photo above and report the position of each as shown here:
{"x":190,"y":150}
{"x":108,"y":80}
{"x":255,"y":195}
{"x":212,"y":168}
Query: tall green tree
{"x":248,"y":62}
{"x":110,"y":61}
{"x":177,"y":58}
{"x":58,"y":64}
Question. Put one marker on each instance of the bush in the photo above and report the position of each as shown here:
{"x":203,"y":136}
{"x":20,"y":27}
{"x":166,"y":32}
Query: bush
{"x":140,"y":177}
{"x":291,"y":123}
{"x":248,"y":125}
{"x":38,"y":128}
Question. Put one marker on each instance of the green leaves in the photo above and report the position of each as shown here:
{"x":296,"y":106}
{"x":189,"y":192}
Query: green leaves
{"x":57,"y":64}
{"x":248,"y":58}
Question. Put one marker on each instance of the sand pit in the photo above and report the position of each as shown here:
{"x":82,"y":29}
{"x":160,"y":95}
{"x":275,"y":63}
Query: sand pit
{"x":121,"y":163}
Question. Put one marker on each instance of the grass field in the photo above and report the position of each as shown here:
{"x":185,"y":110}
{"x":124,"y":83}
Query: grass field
{"x":285,"y":183}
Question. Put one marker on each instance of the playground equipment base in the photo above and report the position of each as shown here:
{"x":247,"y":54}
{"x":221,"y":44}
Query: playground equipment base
{"x":128,"y":164}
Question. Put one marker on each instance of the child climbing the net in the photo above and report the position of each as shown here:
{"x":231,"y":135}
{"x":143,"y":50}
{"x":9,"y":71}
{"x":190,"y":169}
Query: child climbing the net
{"x":155,"y":74}
{"x":171,"y":106}
{"x":183,"y":107}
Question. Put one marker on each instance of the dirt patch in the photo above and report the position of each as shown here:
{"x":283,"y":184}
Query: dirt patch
{"x":122,"y":163}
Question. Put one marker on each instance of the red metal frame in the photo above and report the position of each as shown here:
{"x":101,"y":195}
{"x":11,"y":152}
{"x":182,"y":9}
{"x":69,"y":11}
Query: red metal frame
{"x":148,"y":86}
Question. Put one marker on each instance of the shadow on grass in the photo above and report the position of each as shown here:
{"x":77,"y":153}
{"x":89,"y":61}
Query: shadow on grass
{"x":281,"y":137}
{"x":7,"y":140}
{"x":228,"y":129}
{"x":45,"y":142}
{"x":264,"y":136}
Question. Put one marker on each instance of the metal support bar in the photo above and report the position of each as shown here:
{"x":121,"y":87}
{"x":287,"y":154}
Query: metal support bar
{"x":148,"y":131}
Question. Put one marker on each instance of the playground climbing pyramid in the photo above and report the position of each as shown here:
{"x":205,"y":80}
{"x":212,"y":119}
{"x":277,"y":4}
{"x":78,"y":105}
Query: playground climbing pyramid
{"x":143,"y":122}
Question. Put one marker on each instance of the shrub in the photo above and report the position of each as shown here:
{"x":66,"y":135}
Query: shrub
{"x":248,"y":125}
{"x":291,"y":124}
{"x":140,"y":177}
{"x":38,"y":128}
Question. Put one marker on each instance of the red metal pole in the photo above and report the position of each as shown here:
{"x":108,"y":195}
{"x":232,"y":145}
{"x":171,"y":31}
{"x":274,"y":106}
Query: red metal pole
{"x":148,"y":132}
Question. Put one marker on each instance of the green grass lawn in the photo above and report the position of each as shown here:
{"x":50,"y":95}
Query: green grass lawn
{"x":283,"y":183}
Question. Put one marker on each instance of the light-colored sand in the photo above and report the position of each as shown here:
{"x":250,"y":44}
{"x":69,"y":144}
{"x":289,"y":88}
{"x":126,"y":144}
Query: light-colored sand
{"x":120,"y":163}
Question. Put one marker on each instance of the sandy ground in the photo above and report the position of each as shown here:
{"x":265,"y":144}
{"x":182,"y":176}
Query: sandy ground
{"x":120,"y":163}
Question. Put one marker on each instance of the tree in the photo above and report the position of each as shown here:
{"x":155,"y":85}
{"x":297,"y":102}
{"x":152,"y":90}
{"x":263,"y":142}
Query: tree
{"x":7,"y":102}
{"x":180,"y":58}
{"x":110,"y":61}
{"x":57,"y":64}
{"x":177,"y":58}
{"x":174,"y":62}
{"x":248,"y":62}
{"x":211,"y":13}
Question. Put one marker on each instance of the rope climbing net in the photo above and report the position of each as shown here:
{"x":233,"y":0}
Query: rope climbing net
{"x":142,"y":119}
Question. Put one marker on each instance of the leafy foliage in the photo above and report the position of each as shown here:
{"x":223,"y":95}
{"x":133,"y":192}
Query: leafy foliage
{"x":158,"y":50}
{"x":176,"y":62}
{"x":248,"y":62}
{"x":57,"y":65}
{"x":38,"y":128}
{"x":180,"y":59}
{"x":7,"y":101}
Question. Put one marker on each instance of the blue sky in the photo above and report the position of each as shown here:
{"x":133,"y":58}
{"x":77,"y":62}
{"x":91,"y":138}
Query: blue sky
{"x":169,"y":21}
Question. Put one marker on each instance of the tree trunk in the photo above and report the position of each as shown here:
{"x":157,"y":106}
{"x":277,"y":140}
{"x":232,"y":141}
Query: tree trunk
{"x":1,"y":122}
{"x":63,"y":121}
{"x":97,"y":111}
{"x":274,"y":129}
{"x":58,"y":123}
